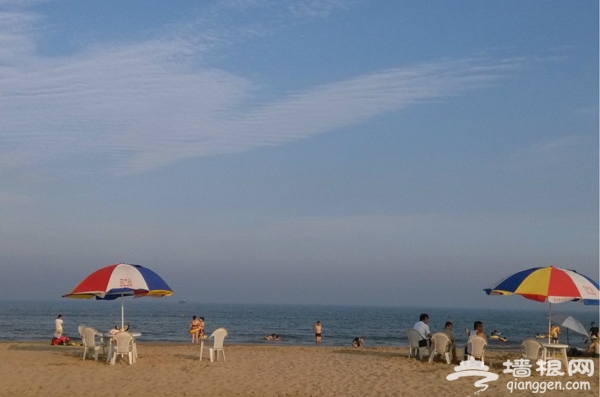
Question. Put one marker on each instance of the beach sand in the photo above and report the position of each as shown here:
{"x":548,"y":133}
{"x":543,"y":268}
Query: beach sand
{"x":174,"y":369}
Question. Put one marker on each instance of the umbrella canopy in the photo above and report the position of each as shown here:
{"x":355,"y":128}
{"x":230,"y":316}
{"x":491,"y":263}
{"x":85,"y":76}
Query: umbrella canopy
{"x":570,"y":323}
{"x":119,"y":280}
{"x":550,"y":283}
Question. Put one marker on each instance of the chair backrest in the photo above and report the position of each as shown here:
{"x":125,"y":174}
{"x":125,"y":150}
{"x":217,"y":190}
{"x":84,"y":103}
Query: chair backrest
{"x":88,"y":336}
{"x":531,"y":349}
{"x":123,"y":342}
{"x":218,"y":335}
{"x":441,"y":342}
{"x":413,"y":337}
{"x":476,"y":345}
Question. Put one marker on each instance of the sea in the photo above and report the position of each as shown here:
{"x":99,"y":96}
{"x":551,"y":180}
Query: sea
{"x":163,"y":320}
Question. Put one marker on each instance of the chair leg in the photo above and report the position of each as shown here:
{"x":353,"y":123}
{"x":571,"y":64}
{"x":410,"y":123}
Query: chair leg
{"x":211,"y":353}
{"x":223,"y":353}
{"x":109,"y":354}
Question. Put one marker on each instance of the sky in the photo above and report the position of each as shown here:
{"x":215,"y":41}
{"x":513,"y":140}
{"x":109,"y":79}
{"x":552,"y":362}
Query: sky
{"x":396,"y":153}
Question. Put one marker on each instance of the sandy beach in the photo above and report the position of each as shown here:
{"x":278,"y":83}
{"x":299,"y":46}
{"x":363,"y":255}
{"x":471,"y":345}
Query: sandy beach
{"x":38,"y":369}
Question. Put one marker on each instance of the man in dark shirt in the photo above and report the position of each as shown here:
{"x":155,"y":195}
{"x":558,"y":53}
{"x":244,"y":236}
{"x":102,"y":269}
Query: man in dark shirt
{"x":593,"y":330}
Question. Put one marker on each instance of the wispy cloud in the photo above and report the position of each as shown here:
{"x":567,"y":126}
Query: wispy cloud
{"x":146,"y":105}
{"x":554,"y":145}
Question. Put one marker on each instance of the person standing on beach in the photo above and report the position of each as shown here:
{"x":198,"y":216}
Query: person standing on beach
{"x":201,"y":332}
{"x":58,"y":326}
{"x":317,"y":327}
{"x":594,"y":330}
{"x":195,"y":329}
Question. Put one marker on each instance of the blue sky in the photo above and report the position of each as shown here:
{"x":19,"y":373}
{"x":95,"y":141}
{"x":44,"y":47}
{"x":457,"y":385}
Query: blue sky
{"x":334,"y":152}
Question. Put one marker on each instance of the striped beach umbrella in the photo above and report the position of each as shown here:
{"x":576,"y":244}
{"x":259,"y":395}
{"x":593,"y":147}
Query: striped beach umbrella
{"x":120,"y":280}
{"x":551,"y":284}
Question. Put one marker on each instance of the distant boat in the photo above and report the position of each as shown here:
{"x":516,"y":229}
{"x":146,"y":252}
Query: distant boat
{"x":182,"y":301}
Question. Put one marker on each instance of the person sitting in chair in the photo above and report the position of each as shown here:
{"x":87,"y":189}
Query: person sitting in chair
{"x":594,"y":347}
{"x":448,"y":331}
{"x":422,"y":328}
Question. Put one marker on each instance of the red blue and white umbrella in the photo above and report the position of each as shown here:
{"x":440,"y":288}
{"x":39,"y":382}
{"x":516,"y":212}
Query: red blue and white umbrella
{"x":119,"y":280}
{"x":550,"y":283}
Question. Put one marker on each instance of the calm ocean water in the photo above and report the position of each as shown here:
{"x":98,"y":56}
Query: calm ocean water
{"x":162,"y":320}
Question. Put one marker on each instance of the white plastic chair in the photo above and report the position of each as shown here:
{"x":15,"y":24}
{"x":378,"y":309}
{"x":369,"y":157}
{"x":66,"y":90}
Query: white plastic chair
{"x":476,"y":347}
{"x":80,"y":330}
{"x":531,"y":349}
{"x":218,"y":335}
{"x":88,"y":337}
{"x":122,"y":344}
{"x":414,"y":337}
{"x":441,"y":344}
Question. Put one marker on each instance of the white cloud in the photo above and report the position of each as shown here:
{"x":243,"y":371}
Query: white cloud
{"x":558,"y":144}
{"x":146,"y":105}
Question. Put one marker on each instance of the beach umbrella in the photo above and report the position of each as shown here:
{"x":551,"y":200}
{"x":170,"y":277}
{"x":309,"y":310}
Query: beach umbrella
{"x":570,"y":323}
{"x":551,"y":284}
{"x":120,"y":280}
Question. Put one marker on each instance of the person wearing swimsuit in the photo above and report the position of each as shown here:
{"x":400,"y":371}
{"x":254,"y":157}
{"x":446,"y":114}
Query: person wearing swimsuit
{"x":317,"y":327}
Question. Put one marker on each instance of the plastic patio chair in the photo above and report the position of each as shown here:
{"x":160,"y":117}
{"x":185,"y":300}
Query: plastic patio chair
{"x":414,"y":337}
{"x":218,"y":335}
{"x":91,"y":341}
{"x":80,"y":330}
{"x":441,"y":344}
{"x":476,"y":347}
{"x":122,"y":344}
{"x":531,"y":349}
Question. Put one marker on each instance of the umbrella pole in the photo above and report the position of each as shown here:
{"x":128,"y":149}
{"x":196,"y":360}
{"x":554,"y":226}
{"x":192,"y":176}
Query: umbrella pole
{"x":122,"y":314}
{"x":549,"y":320}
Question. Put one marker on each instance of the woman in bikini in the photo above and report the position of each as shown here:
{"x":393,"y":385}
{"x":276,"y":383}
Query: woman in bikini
{"x":195,"y":329}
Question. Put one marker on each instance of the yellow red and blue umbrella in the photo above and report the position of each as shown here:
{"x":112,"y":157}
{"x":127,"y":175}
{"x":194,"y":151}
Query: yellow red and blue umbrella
{"x":119,"y":280}
{"x":550,"y":283}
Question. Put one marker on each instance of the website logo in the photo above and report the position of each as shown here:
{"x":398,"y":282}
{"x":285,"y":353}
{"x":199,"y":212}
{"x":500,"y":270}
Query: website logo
{"x":521,"y":370}
{"x":472,"y":367}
